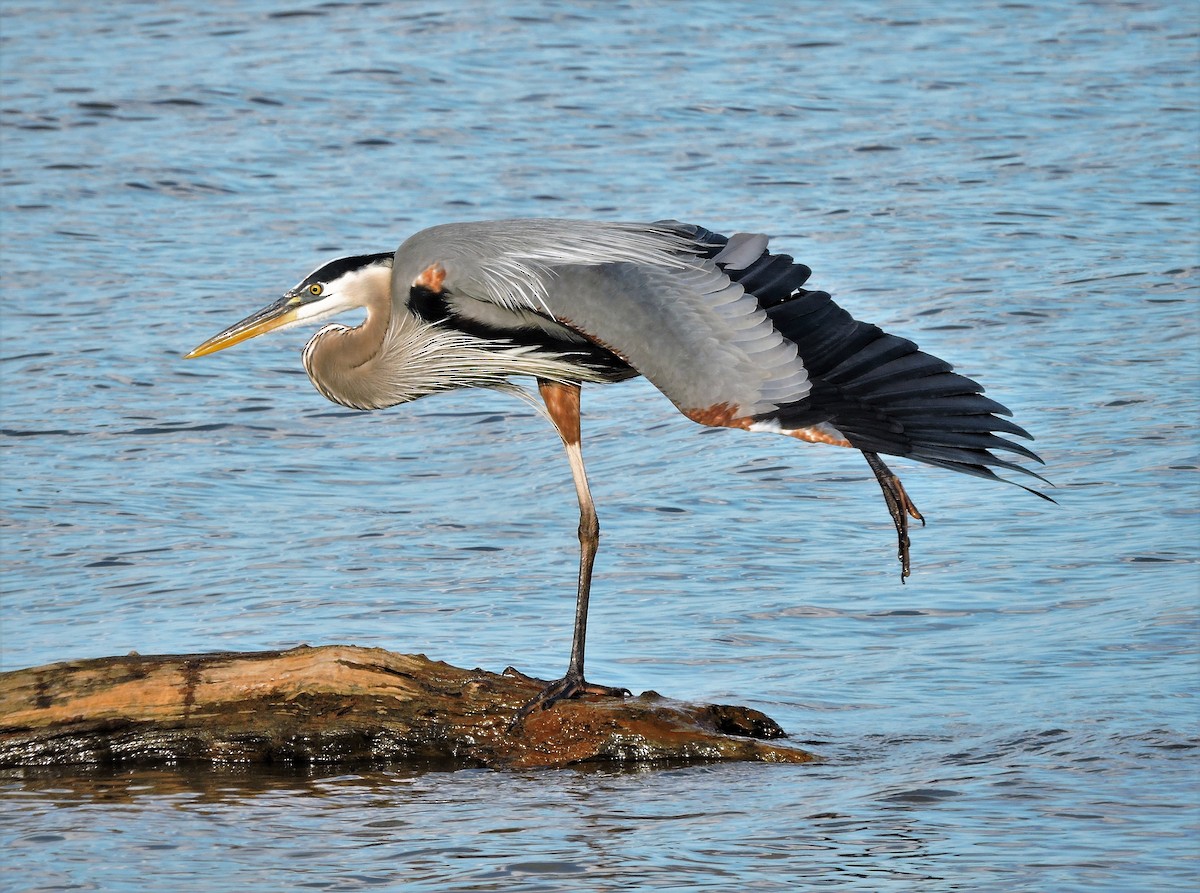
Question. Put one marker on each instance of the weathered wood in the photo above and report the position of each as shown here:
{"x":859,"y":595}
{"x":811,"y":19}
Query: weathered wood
{"x":343,"y":704}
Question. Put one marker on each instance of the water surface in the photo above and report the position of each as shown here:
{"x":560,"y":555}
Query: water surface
{"x":1015,"y":187}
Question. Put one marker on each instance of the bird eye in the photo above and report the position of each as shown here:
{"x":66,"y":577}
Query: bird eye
{"x":315,"y":289}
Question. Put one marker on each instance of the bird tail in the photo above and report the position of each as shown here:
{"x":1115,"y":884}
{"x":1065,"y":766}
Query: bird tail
{"x":879,"y":391}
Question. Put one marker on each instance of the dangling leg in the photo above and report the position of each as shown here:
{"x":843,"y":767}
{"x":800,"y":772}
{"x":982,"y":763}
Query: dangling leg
{"x":898,"y":504}
{"x":562,"y":402}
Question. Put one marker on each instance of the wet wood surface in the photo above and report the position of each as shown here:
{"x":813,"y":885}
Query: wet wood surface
{"x":342,"y":704}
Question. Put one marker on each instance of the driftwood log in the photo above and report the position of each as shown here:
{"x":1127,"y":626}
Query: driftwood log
{"x":342,"y":704}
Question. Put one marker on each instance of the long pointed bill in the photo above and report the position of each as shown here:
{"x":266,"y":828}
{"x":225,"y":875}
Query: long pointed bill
{"x":278,"y":314}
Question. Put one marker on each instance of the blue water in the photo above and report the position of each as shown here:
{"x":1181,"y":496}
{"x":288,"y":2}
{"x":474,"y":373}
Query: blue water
{"x":1014,"y":186}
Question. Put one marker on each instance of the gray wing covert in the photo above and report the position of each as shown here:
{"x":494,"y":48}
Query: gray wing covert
{"x":695,"y":334}
{"x":640,"y":291}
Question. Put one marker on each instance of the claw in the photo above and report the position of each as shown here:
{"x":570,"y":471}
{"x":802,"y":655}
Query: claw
{"x":909,"y":506}
{"x":570,"y":686}
{"x":900,"y":506}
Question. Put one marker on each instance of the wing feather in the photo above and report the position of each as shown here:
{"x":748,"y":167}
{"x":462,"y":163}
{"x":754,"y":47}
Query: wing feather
{"x":641,"y":291}
{"x":698,"y":337}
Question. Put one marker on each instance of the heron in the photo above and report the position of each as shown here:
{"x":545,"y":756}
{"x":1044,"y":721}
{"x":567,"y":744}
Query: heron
{"x":723,"y":326}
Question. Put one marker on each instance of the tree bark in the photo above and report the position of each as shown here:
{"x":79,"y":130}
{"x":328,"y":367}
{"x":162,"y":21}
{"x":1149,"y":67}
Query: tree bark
{"x":344,"y":704}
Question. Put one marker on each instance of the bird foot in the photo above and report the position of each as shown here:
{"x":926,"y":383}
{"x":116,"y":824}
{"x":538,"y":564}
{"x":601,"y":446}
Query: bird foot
{"x":899,"y":504}
{"x":570,"y":686}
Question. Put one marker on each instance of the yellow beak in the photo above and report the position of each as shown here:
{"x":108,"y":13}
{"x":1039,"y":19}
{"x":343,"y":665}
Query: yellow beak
{"x":278,"y":314}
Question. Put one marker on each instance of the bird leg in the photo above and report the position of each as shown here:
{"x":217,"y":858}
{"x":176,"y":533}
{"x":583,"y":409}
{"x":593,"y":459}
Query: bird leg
{"x":898,"y":504}
{"x":562,"y":403}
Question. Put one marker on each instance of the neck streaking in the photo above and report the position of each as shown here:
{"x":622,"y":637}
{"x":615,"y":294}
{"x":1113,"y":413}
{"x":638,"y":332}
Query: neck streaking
{"x":395,"y":357}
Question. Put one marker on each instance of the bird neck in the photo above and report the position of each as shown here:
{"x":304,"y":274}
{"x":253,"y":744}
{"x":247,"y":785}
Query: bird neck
{"x":344,"y":362}
{"x":359,"y":346}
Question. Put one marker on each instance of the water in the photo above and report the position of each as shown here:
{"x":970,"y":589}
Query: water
{"x":1015,"y":187}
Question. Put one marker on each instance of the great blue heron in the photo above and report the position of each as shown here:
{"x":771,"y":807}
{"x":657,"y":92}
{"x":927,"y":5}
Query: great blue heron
{"x":723,"y":327}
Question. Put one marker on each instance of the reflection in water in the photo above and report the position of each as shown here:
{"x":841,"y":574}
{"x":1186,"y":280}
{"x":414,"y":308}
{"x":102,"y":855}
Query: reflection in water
{"x":887,"y":809}
{"x":603,"y":819}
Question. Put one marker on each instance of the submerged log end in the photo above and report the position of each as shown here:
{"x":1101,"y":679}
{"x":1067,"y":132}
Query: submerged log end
{"x":344,"y":704}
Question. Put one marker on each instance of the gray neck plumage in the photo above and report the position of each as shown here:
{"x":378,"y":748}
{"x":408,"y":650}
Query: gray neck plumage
{"x":396,"y":357}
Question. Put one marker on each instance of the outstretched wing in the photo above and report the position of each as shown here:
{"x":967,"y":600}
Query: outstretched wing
{"x":871,"y":389}
{"x":640,"y":291}
{"x":720,"y":325}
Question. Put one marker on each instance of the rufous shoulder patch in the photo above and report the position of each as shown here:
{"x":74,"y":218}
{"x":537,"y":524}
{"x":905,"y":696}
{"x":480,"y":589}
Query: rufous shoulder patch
{"x":432,"y":278}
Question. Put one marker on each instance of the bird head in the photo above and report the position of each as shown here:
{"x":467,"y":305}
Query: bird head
{"x":340,"y":285}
